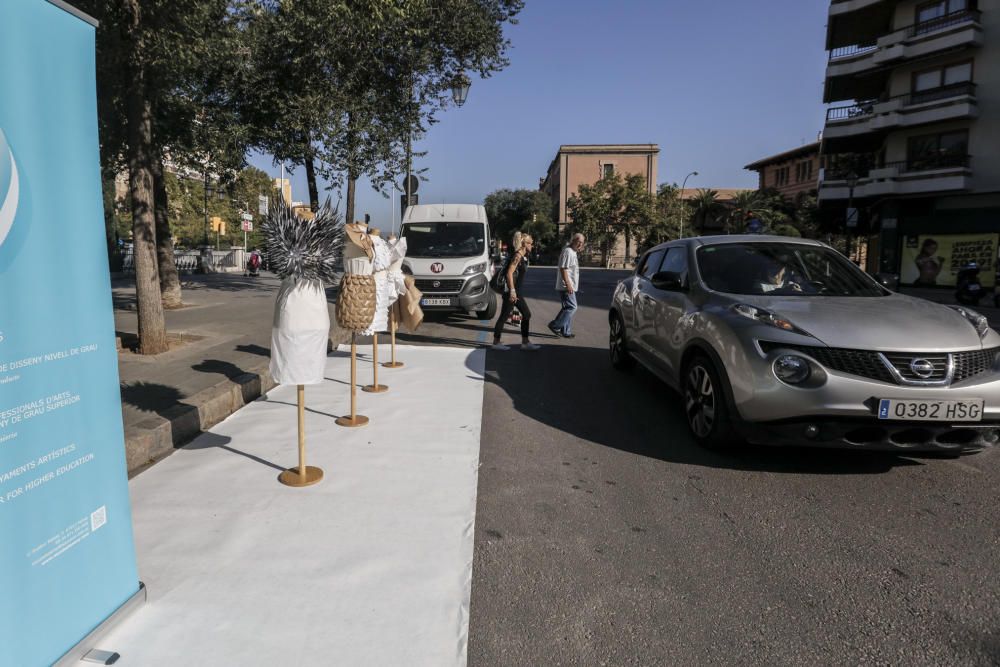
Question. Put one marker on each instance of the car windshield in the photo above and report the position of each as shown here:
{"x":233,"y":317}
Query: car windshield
{"x":444,"y":239}
{"x":782,"y":269}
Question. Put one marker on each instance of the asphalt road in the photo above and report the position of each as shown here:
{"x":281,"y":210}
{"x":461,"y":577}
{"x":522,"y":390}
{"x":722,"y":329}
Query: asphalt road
{"x":604,"y":536}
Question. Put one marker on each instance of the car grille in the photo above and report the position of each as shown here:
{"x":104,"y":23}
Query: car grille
{"x":428,"y":285}
{"x":867,"y":364}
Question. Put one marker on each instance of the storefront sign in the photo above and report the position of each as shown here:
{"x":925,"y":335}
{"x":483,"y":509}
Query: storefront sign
{"x":67,"y":560}
{"x":935,"y":259}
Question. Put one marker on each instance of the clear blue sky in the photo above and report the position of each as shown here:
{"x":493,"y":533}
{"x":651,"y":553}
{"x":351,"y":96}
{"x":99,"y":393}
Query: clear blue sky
{"x":716,"y":83}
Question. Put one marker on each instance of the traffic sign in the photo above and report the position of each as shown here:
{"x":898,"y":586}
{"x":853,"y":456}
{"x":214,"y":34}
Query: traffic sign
{"x":246,"y":216}
{"x":247,"y":226}
{"x":413,"y":181}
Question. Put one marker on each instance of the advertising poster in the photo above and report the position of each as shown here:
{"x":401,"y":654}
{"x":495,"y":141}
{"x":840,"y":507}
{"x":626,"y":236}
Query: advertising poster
{"x":67,"y":560}
{"x":933,"y":260}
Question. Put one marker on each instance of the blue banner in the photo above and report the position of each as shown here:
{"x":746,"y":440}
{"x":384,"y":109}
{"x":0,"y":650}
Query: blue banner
{"x":67,"y":560}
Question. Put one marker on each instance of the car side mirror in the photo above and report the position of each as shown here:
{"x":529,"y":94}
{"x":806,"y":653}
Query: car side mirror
{"x":669,"y":281}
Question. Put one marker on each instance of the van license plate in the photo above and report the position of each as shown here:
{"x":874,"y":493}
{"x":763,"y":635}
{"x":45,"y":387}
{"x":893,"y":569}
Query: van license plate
{"x":936,"y":411}
{"x":435,"y":302}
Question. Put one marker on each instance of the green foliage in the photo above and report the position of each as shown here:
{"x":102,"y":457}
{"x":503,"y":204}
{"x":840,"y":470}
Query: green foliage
{"x":785,"y":230}
{"x":526,"y":210}
{"x":612,"y":206}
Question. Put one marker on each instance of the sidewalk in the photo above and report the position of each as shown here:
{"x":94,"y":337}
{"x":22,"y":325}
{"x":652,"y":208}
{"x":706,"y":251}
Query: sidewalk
{"x":169,"y":399}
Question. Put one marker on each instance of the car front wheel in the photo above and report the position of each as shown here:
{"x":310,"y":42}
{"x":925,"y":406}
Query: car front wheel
{"x":705,"y":405}
{"x":620,"y":357}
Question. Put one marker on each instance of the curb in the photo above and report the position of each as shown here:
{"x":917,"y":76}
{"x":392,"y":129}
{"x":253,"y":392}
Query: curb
{"x":158,"y":436}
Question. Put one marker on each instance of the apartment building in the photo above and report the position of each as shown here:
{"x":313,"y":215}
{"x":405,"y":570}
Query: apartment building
{"x":790,"y":172}
{"x":585,"y":164}
{"x":911,"y":136}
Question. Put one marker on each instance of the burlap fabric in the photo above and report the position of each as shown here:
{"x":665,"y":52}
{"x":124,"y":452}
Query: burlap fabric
{"x":356,"y":303}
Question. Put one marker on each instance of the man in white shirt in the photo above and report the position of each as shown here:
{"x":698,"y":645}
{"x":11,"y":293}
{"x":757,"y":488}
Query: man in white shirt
{"x":567,"y":284}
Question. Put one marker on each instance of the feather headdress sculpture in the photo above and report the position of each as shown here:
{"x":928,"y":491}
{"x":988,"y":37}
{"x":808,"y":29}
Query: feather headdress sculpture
{"x":305,"y":249}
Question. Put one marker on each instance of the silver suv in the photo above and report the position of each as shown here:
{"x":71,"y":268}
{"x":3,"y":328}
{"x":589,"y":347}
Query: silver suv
{"x":777,"y":340}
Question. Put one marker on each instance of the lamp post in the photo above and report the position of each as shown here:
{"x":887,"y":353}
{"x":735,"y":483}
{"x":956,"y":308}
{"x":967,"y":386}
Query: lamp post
{"x":852,"y":181}
{"x":459,"y":93}
{"x":680,"y":200}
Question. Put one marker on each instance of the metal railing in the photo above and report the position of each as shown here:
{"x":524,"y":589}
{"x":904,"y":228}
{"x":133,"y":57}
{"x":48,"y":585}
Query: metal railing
{"x":939,"y":23}
{"x":186,"y":261}
{"x":867,"y":107}
{"x":929,"y":163}
{"x":869,"y":44}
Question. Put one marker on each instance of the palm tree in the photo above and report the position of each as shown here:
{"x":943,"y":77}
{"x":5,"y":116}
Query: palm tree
{"x":743,"y":203}
{"x":706,"y":206}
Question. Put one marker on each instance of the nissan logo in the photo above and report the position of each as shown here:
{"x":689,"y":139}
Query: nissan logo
{"x":437,"y":267}
{"x":922,"y":368}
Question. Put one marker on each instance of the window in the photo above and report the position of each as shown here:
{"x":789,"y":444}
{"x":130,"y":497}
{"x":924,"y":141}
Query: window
{"x":781,"y":176}
{"x":607,"y":170}
{"x":929,"y":11}
{"x":676,"y":261}
{"x":652,"y":264}
{"x":927,"y":84}
{"x":936,"y":151}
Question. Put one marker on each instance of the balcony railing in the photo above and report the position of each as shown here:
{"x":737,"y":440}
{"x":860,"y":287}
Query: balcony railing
{"x":867,"y":107}
{"x":854,"y":49}
{"x":940,"y":23}
{"x":923,"y":27}
{"x":929,"y":163}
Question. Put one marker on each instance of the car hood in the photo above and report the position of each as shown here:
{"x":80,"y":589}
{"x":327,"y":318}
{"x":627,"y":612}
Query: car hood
{"x":891,"y":323}
{"x":444,"y":267}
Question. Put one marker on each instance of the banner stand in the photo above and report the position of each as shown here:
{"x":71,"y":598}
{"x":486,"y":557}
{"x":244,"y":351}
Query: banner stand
{"x":85,"y":647}
{"x":303,"y":475}
{"x":375,"y":387}
{"x":392,"y":320}
{"x":355,"y":419}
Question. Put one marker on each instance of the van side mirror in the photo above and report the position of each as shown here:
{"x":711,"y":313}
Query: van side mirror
{"x":669,"y":281}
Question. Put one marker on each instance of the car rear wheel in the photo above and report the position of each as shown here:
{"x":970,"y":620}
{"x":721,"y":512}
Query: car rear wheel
{"x":705,"y":405}
{"x":620,"y":357}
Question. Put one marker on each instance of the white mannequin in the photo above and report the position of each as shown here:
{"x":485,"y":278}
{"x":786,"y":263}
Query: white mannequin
{"x":299,"y":332}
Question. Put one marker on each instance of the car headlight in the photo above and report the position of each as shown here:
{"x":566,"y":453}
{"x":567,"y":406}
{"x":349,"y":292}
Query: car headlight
{"x":766,"y":317}
{"x":791,"y":368}
{"x":407,"y":270}
{"x":475,"y":268}
{"x":978,"y":321}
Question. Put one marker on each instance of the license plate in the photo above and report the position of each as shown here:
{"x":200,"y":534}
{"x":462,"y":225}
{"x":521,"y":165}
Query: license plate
{"x":936,"y":411}
{"x":435,"y":302}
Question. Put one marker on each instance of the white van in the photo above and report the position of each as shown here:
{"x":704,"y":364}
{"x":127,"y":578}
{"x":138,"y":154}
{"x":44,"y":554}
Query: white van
{"x":448,"y":253}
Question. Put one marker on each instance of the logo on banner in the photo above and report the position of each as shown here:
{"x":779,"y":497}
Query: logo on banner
{"x":9,"y":188}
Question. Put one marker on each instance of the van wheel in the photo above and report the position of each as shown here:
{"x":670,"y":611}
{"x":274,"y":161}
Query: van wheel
{"x":491,"y":309}
{"x":705,"y":405}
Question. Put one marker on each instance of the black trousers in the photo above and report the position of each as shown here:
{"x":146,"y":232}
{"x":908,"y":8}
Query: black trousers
{"x":505,"y":309}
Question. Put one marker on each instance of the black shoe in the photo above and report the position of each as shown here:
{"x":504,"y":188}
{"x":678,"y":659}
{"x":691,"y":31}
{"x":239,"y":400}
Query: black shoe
{"x":565,"y":335}
{"x":557,"y":332}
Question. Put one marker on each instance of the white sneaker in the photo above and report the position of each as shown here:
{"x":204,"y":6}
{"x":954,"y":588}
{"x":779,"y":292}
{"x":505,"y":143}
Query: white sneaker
{"x":500,"y":346}
{"x":530,"y":346}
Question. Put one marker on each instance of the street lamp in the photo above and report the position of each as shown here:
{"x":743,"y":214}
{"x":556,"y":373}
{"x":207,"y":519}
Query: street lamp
{"x":680,"y":200}
{"x":459,"y":92}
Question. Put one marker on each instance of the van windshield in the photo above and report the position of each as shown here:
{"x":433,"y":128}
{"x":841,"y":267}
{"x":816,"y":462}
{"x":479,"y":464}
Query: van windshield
{"x":444,"y":239}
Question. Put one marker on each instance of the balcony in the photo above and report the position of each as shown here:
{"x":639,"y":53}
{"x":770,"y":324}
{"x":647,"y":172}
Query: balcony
{"x":869,"y":54}
{"x":954,"y":102}
{"x":841,"y":7}
{"x":917,"y":176}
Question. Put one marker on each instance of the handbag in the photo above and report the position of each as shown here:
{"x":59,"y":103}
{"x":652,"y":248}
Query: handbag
{"x":356,"y":302}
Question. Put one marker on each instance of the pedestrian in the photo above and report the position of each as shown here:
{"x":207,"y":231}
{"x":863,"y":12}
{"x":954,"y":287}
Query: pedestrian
{"x":567,"y":284}
{"x":515,"y":270}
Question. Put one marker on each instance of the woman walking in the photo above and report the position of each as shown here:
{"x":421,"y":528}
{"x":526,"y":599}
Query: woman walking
{"x":515,"y":270}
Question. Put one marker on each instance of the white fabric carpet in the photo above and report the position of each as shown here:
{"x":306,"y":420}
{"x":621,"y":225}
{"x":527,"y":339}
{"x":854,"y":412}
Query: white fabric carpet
{"x":372,"y":566}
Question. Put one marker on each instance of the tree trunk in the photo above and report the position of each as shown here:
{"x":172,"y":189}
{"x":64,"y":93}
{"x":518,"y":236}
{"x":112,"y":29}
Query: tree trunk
{"x":349,"y":210}
{"x":628,"y":244}
{"x":152,"y":328}
{"x":170,"y":284}
{"x":311,"y":175}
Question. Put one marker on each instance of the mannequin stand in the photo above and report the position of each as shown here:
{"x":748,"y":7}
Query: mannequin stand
{"x":393,"y":363}
{"x":375,"y":387}
{"x":303,"y":475}
{"x":355,"y":419}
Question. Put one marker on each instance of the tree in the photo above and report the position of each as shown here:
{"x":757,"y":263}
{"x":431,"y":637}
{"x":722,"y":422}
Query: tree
{"x":511,"y":210}
{"x":706,"y":208}
{"x":613,"y":206}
